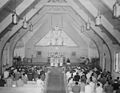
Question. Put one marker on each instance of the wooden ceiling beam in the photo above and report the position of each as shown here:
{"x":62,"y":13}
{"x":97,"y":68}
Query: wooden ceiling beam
{"x":84,"y":16}
{"x":37,"y":26}
{"x":3,"y":2}
{"x":8,"y":20}
{"x":110,"y":28}
{"x":29,"y":15}
{"x":39,"y":34}
{"x":109,"y":3}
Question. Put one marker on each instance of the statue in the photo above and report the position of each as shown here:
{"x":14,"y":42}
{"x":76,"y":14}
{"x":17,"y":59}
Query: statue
{"x":56,"y":37}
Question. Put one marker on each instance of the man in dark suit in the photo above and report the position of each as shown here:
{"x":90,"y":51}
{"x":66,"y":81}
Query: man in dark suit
{"x":2,"y":81}
{"x":76,"y":77}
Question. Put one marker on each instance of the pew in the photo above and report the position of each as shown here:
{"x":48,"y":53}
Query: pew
{"x":20,"y":90}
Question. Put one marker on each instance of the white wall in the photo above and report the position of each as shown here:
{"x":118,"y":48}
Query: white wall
{"x":67,"y":51}
{"x":19,"y":52}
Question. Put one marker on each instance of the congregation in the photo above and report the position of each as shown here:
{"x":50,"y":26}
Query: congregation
{"x":81,"y":78}
{"x":24,"y":76}
{"x":84,"y":79}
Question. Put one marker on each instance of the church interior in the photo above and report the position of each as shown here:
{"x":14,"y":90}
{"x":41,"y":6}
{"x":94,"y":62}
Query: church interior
{"x":59,"y":46}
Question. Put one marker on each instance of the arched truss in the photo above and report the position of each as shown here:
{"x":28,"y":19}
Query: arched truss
{"x":73,"y":5}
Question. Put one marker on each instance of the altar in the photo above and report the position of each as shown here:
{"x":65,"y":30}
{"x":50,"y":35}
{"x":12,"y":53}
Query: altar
{"x":56,"y":42}
{"x":56,"y":60}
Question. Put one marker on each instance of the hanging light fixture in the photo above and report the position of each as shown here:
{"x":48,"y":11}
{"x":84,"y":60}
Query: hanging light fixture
{"x":116,"y":9}
{"x":98,"y":19}
{"x":14,"y":16}
{"x":25,"y":24}
{"x":88,"y":24}
{"x":30,"y":27}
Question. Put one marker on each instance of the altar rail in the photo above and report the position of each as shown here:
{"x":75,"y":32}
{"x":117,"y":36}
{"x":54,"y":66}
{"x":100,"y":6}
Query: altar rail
{"x":35,"y":64}
{"x":43,"y":59}
{"x":40,"y":59}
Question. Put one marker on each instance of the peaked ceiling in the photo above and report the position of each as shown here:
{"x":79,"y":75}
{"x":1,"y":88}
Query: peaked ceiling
{"x":83,"y":8}
{"x":42,"y":35}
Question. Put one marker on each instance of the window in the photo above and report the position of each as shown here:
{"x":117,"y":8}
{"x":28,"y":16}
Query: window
{"x":73,"y":53}
{"x":39,"y":54}
{"x":117,"y":62}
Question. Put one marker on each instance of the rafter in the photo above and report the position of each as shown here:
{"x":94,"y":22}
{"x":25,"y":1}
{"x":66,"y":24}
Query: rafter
{"x":69,"y":30}
{"x":97,"y":29}
{"x":109,"y":3}
{"x":39,"y":34}
{"x":36,"y":27}
{"x":19,"y":25}
{"x":19,"y":10}
{"x":36,"y":18}
{"x":89,"y":6}
{"x":84,"y":16}
{"x":97,"y":33}
{"x":29,"y":15}
{"x":3,"y":2}
{"x":77,"y":27}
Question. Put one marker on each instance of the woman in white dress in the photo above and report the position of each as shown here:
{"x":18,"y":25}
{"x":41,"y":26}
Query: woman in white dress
{"x":40,"y":84}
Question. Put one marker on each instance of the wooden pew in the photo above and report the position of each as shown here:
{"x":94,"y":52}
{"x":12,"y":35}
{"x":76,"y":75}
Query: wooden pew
{"x":20,"y":90}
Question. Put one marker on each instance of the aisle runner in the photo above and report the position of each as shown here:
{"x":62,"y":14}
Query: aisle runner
{"x":56,"y":81}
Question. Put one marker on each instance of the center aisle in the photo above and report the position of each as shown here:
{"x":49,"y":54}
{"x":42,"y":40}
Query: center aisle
{"x":55,"y":82}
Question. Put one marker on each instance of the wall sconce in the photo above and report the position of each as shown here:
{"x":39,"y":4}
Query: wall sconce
{"x":98,"y":19}
{"x":116,"y":9}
